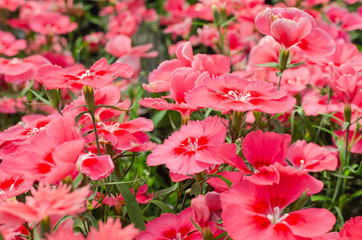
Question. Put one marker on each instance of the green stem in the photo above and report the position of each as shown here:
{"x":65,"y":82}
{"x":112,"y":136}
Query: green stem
{"x":236,"y":125}
{"x":95,"y":132}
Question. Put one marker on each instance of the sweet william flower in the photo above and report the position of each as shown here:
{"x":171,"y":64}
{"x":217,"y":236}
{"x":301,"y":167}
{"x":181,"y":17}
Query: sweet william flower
{"x":293,"y":27}
{"x":97,"y":76}
{"x":231,"y":92}
{"x":255,"y":212}
{"x":95,"y":167}
{"x":351,"y":229}
{"x":192,"y":149}
{"x":170,"y":226}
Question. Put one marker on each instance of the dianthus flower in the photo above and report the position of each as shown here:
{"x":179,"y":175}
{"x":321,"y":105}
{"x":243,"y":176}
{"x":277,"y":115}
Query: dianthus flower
{"x":192,"y":149}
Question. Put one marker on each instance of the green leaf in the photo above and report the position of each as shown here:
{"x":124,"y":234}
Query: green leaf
{"x":63,"y":219}
{"x":36,"y":235}
{"x":40,"y":97}
{"x":165,"y":208}
{"x":77,"y":180}
{"x":337,"y":174}
{"x":27,"y":88}
{"x":196,"y":226}
{"x":1,"y":237}
{"x":269,"y":64}
{"x":157,"y":118}
{"x":279,"y":74}
{"x":278,"y":126}
{"x":354,"y":195}
{"x":295,"y":64}
{"x":92,"y":219}
{"x":133,"y":209}
{"x":227,"y":181}
{"x":345,"y":126}
{"x":114,"y":107}
{"x":317,"y":198}
{"x":195,"y":188}
{"x":166,"y":191}
{"x":77,"y":118}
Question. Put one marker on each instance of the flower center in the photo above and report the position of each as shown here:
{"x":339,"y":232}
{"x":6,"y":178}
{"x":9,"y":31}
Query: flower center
{"x":301,"y":167}
{"x":110,"y":128}
{"x":178,"y":237}
{"x":241,"y":97}
{"x":275,"y":217}
{"x":86,"y":74}
{"x":192,"y":145}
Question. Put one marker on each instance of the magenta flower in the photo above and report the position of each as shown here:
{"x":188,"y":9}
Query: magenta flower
{"x":256,"y":212}
{"x":170,"y":227}
{"x":192,"y":149}
{"x":231,"y":92}
{"x":99,"y":75}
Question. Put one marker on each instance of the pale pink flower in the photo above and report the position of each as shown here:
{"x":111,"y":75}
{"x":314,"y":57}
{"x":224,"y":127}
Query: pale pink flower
{"x":170,"y":226}
{"x":192,"y":149}
{"x":257,"y":212}
{"x":9,"y":46}
{"x":51,"y":23}
{"x":18,"y":71}
{"x":46,"y":201}
{"x":112,"y":229}
{"x":11,"y":105}
{"x":95,"y":167}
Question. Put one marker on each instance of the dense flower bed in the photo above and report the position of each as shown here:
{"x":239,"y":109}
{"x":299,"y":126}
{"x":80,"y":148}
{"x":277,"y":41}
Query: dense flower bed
{"x":180,"y":120}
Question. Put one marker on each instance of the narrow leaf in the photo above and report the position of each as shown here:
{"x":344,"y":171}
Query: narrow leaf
{"x":113,"y":107}
{"x":269,"y":64}
{"x":165,"y":191}
{"x":165,"y":208}
{"x":77,"y":180}
{"x":92,"y":219}
{"x":40,"y":97}
{"x":295,"y":64}
{"x":63,"y":219}
{"x":133,"y":209}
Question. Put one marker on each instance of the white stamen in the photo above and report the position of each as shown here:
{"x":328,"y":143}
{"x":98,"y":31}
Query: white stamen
{"x":274,"y":217}
{"x":86,"y":74}
{"x":110,"y":128}
{"x":239,"y":96}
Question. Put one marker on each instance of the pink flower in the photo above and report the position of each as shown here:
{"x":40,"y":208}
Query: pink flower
{"x":231,"y":92}
{"x":9,"y":46}
{"x":50,"y":155}
{"x":181,"y":81}
{"x":11,"y":186}
{"x":46,"y":201}
{"x":11,"y":105}
{"x":95,"y":167}
{"x":159,"y":79}
{"x":127,"y":136}
{"x":51,"y":23}
{"x":142,"y":197}
{"x":206,"y":208}
{"x":192,"y":149}
{"x":18,"y":71}
{"x":170,"y":227}
{"x":262,"y":151}
{"x":351,"y":229}
{"x":293,"y":27}
{"x":99,"y":75}
{"x":311,"y":157}
{"x":112,"y":229}
{"x":256,"y":212}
